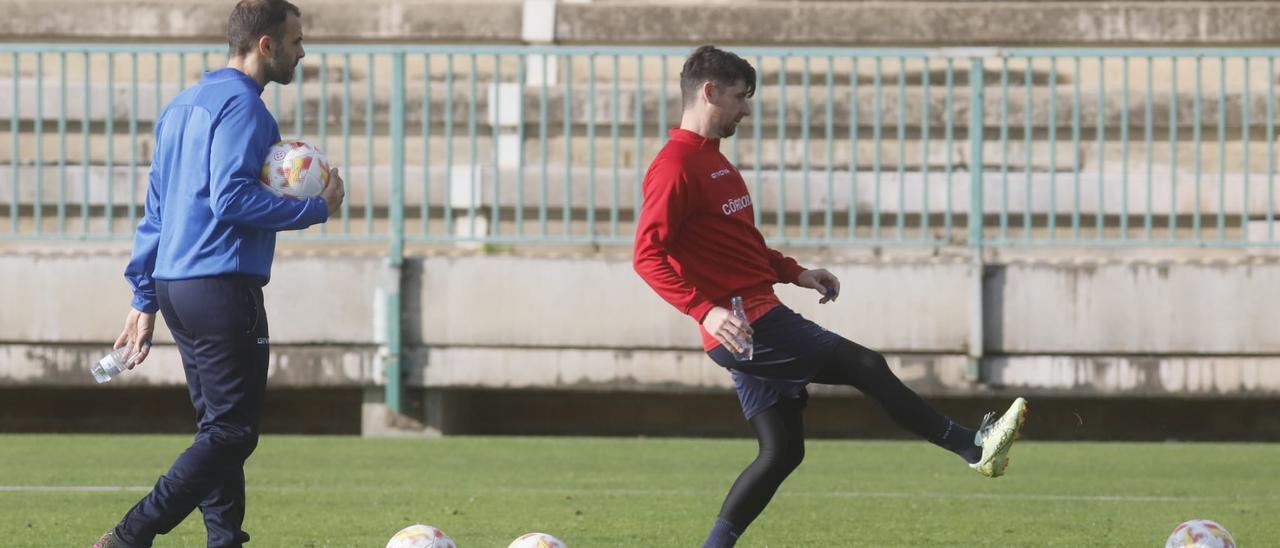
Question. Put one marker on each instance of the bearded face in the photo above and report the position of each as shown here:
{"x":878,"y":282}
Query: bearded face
{"x":729,"y":105}
{"x":287,"y":52}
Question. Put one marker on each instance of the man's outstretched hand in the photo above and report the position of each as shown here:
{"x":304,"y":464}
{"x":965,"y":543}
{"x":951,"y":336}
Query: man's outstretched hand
{"x":821,"y":281}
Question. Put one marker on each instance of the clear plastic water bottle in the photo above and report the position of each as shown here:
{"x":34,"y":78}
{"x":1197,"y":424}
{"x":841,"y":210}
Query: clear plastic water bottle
{"x":745,"y":342}
{"x":112,"y":364}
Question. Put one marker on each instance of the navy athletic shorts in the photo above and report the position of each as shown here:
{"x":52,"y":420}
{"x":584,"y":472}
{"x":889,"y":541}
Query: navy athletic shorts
{"x":789,"y":351}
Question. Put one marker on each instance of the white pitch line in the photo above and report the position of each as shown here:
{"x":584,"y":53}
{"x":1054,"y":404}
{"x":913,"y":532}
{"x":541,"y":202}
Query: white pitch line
{"x":70,"y":488}
{"x":1038,"y":497}
{"x":1046,"y":497}
{"x":911,"y":495}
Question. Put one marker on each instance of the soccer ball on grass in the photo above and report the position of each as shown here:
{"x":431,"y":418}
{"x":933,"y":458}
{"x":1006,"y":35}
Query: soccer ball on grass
{"x":537,"y":540}
{"x":1200,"y":533}
{"x":420,"y":536}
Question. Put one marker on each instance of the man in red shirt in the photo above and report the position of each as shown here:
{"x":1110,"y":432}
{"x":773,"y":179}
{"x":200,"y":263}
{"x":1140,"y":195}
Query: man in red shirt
{"x":697,"y":246}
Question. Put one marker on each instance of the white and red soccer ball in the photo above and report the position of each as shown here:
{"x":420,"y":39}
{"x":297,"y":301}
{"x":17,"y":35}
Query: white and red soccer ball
{"x":421,"y":536}
{"x":295,"y":168}
{"x":537,"y":540}
{"x":1200,"y":533}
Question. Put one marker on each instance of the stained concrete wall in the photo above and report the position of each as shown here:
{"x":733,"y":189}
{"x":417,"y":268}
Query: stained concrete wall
{"x":1107,"y":327}
{"x":586,"y":322}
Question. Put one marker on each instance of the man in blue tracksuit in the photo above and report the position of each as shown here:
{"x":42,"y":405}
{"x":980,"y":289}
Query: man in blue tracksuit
{"x":201,"y":255}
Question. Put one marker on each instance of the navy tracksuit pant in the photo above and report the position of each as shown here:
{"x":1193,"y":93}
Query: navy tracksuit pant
{"x":221,"y":330}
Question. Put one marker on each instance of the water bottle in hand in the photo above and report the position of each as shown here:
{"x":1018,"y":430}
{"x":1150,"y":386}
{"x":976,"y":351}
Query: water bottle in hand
{"x":745,"y":341}
{"x":112,"y":364}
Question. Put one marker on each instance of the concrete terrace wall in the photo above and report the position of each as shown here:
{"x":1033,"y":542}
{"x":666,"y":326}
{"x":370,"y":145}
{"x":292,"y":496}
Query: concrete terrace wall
{"x":583,"y":323}
{"x":502,"y":343}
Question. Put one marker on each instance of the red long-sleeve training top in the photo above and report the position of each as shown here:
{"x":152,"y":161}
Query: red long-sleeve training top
{"x":697,"y":244}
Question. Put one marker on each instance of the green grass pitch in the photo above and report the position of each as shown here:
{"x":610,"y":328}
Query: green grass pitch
{"x":351,"y":492}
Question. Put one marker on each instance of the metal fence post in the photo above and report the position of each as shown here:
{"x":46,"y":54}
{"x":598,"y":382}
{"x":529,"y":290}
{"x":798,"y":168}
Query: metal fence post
{"x":395,"y":255}
{"x":976,"y":137}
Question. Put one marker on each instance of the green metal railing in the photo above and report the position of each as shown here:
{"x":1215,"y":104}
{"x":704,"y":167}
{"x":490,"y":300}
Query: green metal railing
{"x":535,"y":145}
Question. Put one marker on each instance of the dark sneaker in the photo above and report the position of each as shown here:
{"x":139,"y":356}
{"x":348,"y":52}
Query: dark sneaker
{"x":109,"y":540}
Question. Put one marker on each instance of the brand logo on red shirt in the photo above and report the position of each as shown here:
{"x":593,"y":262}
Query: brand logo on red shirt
{"x":735,"y":205}
{"x":721,"y":173}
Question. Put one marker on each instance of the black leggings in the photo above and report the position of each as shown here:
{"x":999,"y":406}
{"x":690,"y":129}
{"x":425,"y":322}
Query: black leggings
{"x":780,"y":428}
{"x":860,"y":367}
{"x":780,"y":432}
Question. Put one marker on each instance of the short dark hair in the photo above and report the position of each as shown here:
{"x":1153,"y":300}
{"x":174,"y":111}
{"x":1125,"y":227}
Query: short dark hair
{"x":709,"y":63}
{"x":253,"y":19}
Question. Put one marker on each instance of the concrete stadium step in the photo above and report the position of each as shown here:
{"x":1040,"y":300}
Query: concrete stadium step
{"x":601,"y":109}
{"x":596,"y":195}
{"x":792,"y":23}
{"x":913,"y":153}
